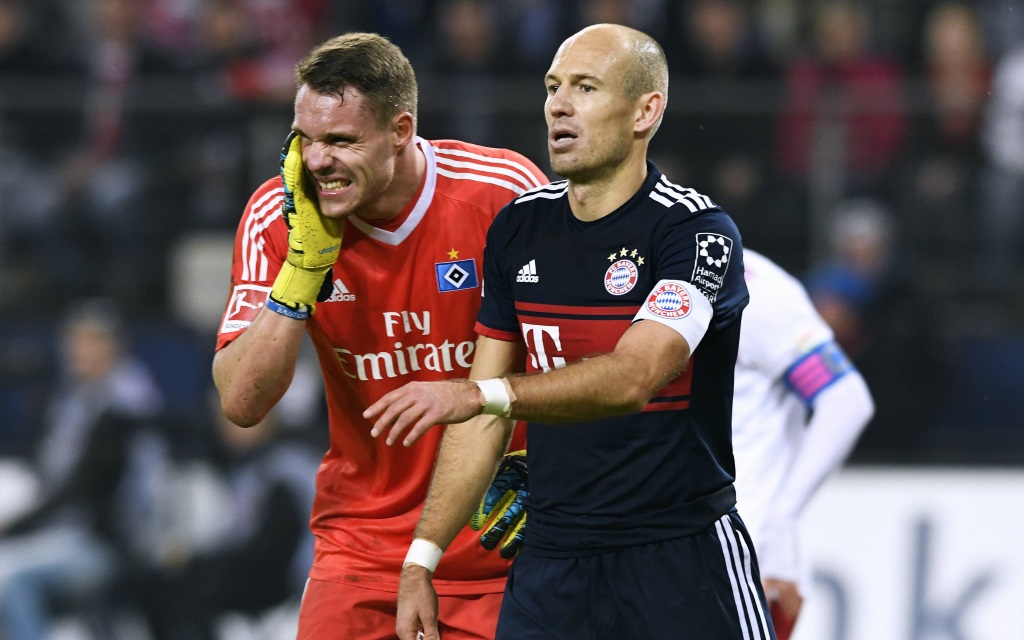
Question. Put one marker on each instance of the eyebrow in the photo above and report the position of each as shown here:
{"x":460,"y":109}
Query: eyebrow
{"x":576,"y":77}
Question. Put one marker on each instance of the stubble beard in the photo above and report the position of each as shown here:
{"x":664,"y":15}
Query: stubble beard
{"x":590,"y":167}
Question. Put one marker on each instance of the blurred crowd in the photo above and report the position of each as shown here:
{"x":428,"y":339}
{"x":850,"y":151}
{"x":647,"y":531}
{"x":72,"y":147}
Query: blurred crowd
{"x":875,"y":149}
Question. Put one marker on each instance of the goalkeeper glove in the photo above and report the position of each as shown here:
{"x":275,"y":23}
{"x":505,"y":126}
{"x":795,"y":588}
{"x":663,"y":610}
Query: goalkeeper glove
{"x":502,"y":511}
{"x":314,"y":241}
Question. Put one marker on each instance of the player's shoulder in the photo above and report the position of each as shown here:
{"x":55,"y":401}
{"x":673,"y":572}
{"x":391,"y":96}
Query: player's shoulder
{"x":769,"y":282}
{"x":476,"y":169}
{"x":664,"y":195}
{"x":266,"y":198}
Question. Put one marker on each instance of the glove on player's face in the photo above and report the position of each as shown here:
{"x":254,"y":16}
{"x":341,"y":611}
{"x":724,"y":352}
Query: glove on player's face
{"x":314,"y":241}
{"x":501,"y":514}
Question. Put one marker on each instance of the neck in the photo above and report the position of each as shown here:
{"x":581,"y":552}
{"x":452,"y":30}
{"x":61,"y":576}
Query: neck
{"x":594,"y":199}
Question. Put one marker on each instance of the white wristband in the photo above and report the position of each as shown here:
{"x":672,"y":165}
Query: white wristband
{"x":424,"y":553}
{"x":497,"y":401}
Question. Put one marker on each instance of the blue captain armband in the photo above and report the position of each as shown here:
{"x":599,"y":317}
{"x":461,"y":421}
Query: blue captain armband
{"x":816,"y":370}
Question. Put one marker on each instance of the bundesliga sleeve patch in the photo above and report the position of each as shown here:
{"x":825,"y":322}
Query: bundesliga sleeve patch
{"x":714,"y":253}
{"x":456,"y":275}
{"x":680,"y":306}
{"x":246,"y":301}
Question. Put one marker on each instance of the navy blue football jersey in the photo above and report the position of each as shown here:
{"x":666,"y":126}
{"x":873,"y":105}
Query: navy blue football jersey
{"x":569,"y":289}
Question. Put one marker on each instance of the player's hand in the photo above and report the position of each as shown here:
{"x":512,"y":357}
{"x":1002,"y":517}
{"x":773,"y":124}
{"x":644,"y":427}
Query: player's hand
{"x":314,"y":241}
{"x":418,"y":406}
{"x":784,"y":602}
{"x":502,"y":511}
{"x":417,"y":605}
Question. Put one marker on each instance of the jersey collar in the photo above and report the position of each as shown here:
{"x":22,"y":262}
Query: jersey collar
{"x":396,"y":237}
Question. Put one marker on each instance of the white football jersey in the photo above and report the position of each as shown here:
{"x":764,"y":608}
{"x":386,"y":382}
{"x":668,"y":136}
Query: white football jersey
{"x":780,"y":329}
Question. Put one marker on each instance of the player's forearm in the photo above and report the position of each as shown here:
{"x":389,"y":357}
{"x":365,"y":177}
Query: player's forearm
{"x":255,"y":370}
{"x":840,"y":414}
{"x":611,"y":384}
{"x":466,"y":462}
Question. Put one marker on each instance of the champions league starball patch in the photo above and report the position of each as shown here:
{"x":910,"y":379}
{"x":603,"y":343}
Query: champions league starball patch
{"x":620,"y":278}
{"x":670,"y":301}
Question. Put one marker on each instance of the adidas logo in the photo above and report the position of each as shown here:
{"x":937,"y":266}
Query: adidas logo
{"x":341,"y":293}
{"x":528,"y":272}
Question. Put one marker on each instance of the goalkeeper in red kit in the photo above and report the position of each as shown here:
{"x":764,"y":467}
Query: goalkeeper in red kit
{"x":370,"y":242}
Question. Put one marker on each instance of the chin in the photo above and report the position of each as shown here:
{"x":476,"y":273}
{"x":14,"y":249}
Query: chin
{"x":336,"y":213}
{"x":561,"y":165}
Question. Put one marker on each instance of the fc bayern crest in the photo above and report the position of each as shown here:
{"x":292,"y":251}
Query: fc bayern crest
{"x":620,"y":277}
{"x":670,"y":301}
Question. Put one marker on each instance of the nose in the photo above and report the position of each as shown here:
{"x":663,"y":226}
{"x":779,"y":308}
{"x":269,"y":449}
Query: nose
{"x":317,"y":156}
{"x":559,"y":103}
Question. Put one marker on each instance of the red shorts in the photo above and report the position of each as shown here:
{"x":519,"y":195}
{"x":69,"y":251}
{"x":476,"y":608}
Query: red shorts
{"x":343,"y":610}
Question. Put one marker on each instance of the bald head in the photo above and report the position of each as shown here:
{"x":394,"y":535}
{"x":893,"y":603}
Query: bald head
{"x":641,"y":59}
{"x":645,"y":66}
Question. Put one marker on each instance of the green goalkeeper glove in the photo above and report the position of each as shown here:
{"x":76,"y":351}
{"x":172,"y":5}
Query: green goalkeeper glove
{"x":502,"y":511}
{"x":314,"y":241}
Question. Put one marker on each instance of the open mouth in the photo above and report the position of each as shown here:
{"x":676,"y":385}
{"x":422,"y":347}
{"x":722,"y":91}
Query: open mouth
{"x":561,"y":139}
{"x":333,"y":185}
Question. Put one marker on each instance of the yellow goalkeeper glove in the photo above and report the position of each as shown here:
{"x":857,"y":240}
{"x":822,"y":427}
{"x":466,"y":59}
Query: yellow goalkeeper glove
{"x":501,"y":513}
{"x":314,"y":241}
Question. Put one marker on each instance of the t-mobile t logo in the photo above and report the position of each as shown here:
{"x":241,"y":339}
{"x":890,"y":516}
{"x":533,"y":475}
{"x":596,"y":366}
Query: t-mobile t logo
{"x":534,"y":336}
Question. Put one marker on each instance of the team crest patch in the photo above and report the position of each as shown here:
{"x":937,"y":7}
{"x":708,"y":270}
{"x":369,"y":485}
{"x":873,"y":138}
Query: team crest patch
{"x":456,"y":275}
{"x":714,"y":253}
{"x":669,"y":301}
{"x":620,"y":277}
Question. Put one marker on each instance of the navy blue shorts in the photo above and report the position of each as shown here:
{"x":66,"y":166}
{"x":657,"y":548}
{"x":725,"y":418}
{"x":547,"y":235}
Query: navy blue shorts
{"x":700,"y":587}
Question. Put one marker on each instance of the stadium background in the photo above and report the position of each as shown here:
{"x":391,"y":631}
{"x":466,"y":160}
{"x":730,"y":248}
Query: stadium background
{"x":867,"y":147}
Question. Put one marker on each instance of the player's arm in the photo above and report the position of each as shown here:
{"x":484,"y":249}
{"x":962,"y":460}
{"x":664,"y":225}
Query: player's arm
{"x":839,"y":412}
{"x":467,"y":459}
{"x":647,"y":356}
{"x":253,"y":372}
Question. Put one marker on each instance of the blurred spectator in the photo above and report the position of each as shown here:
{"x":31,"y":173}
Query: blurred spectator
{"x":719,"y":41}
{"x":267,"y":38}
{"x":645,"y":15}
{"x":943,"y":159}
{"x":1002,"y":193}
{"x":861,"y":291}
{"x":262,"y":553}
{"x":530,"y":31}
{"x":858,"y":272}
{"x":957,"y":73}
{"x":844,"y":110}
{"x":23,"y":45}
{"x":68,"y":546}
{"x":467,"y":61}
{"x":720,"y":56}
{"x":97,"y":225}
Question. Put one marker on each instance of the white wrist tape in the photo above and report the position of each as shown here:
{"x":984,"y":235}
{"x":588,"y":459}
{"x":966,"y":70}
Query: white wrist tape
{"x":498,"y":398}
{"x":424,"y":553}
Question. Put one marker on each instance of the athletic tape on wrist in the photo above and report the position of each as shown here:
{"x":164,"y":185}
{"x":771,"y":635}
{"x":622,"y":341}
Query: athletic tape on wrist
{"x":424,"y":553}
{"x":498,"y":397}
{"x":284,"y":310}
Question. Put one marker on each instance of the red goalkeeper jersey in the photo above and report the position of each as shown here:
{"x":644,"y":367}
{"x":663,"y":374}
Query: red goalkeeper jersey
{"x":403,"y":307}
